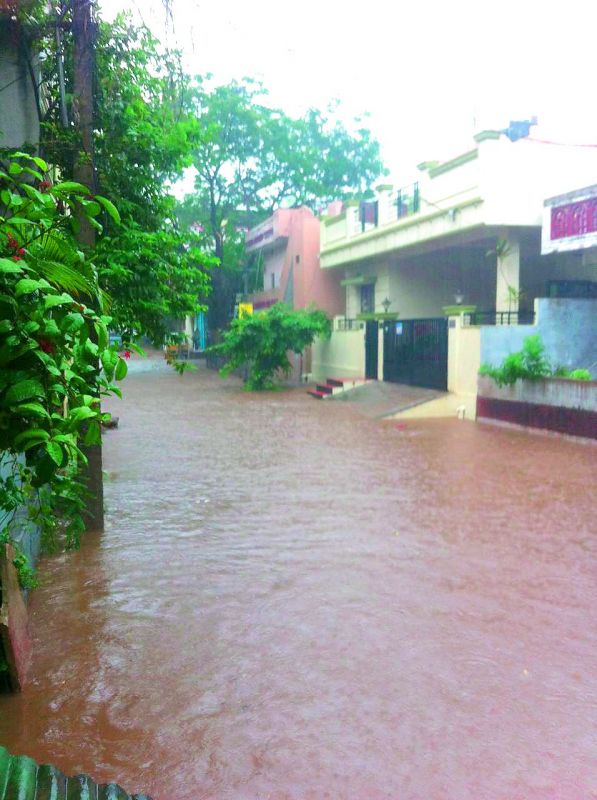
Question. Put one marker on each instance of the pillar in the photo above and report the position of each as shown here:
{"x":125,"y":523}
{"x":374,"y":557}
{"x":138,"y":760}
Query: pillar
{"x":508,"y":274}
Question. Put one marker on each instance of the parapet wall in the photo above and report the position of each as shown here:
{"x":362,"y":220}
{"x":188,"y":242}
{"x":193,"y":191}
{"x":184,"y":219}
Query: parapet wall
{"x":555,"y":404}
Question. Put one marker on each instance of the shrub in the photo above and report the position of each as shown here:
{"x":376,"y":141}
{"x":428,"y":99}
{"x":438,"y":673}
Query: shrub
{"x":529,"y":364}
{"x":261,"y":342}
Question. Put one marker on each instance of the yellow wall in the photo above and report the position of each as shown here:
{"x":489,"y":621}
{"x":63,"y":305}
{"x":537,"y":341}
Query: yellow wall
{"x":341,"y":356}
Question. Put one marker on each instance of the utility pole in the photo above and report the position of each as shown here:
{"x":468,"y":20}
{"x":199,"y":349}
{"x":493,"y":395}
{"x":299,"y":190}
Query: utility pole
{"x":83,"y":172}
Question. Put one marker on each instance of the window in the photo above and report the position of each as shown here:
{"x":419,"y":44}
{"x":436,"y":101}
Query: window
{"x":368,"y":298}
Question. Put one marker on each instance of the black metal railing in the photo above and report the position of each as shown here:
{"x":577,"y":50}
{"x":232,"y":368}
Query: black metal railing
{"x":345,"y":324}
{"x":408,"y":201}
{"x":499,"y":318}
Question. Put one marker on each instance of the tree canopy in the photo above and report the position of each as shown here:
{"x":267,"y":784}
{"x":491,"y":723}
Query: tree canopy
{"x":251,"y":158}
{"x":143,"y":136}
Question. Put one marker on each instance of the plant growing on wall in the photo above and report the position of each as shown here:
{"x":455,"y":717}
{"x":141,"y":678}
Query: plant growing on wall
{"x":501,"y":251}
{"x":529,"y":364}
{"x":55,"y":358}
{"x":261,"y":342}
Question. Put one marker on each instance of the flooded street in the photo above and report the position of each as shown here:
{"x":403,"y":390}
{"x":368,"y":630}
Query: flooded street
{"x":294,"y":602}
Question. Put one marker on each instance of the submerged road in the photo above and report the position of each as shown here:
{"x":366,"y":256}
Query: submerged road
{"x":294,"y":602}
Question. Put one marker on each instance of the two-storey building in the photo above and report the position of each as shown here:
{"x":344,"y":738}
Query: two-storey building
{"x":426,"y":266}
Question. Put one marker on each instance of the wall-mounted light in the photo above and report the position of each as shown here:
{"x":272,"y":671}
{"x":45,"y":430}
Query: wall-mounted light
{"x":458,"y":298}
{"x":386,"y":304}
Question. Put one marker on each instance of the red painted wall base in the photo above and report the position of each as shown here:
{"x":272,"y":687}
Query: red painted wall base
{"x":571,"y":421}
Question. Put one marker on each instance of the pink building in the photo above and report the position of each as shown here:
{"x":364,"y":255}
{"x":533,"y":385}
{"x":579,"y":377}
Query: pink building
{"x":286,"y":251}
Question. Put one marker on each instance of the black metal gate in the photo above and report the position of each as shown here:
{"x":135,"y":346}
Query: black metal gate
{"x":415,"y":351}
{"x":371,"y":350}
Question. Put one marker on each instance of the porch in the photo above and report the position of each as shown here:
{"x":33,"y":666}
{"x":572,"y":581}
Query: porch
{"x":568,"y":328}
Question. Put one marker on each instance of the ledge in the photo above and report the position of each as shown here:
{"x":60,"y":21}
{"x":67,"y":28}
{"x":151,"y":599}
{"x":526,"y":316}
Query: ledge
{"x":379,"y":316}
{"x":359,"y":280}
{"x":471,"y":155}
{"x":458,"y":311}
{"x":484,"y":136}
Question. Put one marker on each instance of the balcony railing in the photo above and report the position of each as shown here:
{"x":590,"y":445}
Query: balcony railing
{"x":499,"y":318}
{"x":408,"y":201}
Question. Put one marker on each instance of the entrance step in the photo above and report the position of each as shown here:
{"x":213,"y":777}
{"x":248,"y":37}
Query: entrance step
{"x":335,"y":386}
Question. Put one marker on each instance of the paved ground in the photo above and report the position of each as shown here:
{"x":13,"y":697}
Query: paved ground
{"x":377,"y":399}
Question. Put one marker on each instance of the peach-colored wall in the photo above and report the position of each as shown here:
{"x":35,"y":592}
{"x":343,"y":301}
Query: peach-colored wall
{"x":310,"y":283}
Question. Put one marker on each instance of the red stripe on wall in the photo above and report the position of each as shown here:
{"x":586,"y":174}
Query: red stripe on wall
{"x":572,"y":421}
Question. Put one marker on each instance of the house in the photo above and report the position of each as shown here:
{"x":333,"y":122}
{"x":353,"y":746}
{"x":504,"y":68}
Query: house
{"x":427,"y":267}
{"x":285,"y":253}
{"x":284,"y":250}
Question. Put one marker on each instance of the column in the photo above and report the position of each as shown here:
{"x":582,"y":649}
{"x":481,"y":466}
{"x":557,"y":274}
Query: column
{"x":507,"y":293}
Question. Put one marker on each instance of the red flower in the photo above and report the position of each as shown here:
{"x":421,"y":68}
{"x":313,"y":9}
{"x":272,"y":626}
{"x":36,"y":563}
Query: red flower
{"x":44,"y":185}
{"x":46,"y":345}
{"x":16,"y":258}
{"x":21,"y":251}
{"x":126,"y":354}
{"x":12,"y":242}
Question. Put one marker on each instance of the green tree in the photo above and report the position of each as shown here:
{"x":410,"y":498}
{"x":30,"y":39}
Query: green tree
{"x":55,"y":359}
{"x":143,"y":135}
{"x":261,"y":342}
{"x":251,"y":158}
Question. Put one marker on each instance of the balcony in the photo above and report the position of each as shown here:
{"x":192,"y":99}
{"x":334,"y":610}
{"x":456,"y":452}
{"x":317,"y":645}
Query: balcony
{"x":408,"y":201}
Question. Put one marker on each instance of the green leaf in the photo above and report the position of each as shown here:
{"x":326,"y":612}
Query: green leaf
{"x":109,"y":361}
{"x":121,"y":369}
{"x":91,"y":348}
{"x":6,"y":265}
{"x":91,"y":208}
{"x":51,"y":328}
{"x":70,"y":186}
{"x":55,"y":452}
{"x":33,"y":172}
{"x":109,"y":208}
{"x":32,"y":408}
{"x":93,"y":434}
{"x":102,"y":335}
{"x":14,"y":168}
{"x":50,"y":301}
{"x":23,"y":390}
{"x":33,"y":193}
{"x":80,"y":413}
{"x":31,"y":433}
{"x":19,"y":221}
{"x":28,"y":285}
{"x":40,"y":163}
{"x":72,"y":322}
{"x":34,"y":442}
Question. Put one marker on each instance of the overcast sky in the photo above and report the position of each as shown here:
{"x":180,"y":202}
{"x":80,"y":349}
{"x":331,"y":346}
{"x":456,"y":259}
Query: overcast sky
{"x":429,"y":72}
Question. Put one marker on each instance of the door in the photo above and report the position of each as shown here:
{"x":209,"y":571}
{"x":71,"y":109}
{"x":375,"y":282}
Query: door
{"x":371,"y":350}
{"x":416,"y":352}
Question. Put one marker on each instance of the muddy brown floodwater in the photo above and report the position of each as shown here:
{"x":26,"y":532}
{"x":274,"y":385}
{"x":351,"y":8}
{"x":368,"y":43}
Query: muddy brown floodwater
{"x":293,"y":601}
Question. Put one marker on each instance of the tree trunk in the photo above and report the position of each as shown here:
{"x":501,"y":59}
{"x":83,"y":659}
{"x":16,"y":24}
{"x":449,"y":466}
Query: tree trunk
{"x":83,"y":172}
